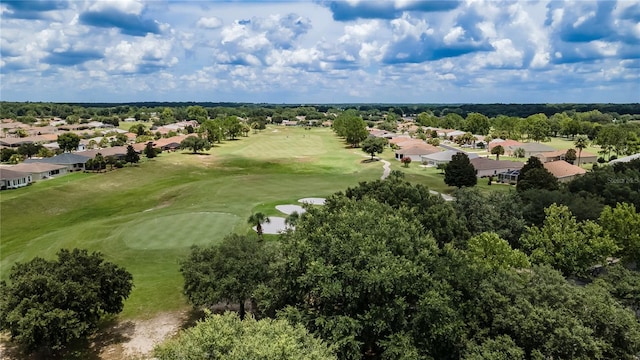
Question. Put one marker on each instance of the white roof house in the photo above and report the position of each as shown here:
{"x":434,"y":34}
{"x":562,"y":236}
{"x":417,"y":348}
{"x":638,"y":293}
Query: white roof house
{"x":443,"y":157}
{"x":625,"y":159}
{"x":456,"y":133}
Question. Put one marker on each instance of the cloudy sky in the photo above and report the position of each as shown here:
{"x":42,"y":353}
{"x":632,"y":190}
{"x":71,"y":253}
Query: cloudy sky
{"x":321,"y":51}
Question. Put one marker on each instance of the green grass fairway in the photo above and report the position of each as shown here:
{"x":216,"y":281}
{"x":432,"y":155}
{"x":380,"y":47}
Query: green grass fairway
{"x":177,"y":231}
{"x":145,"y":217}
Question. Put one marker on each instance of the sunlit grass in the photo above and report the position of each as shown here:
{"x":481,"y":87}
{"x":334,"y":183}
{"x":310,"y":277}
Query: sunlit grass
{"x":116,"y":212}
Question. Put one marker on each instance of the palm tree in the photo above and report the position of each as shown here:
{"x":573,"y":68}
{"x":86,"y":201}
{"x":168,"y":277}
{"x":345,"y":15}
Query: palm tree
{"x":257,"y":220}
{"x":255,"y":126}
{"x":292,"y":219}
{"x":581,"y":143}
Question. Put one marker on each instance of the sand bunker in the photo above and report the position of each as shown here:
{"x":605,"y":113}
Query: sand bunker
{"x":275,"y":226}
{"x":289,"y":209}
{"x":312,"y":201}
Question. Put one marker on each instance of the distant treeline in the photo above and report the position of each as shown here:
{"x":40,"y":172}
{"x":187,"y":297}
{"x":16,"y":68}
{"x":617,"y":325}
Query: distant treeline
{"x":8,"y":109}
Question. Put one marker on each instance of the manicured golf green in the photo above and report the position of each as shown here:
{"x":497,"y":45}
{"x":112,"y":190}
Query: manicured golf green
{"x":145,"y":217}
{"x":175,"y":231}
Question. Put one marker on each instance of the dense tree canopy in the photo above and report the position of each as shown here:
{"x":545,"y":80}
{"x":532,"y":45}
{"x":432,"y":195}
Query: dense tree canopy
{"x":494,"y":212}
{"x":229,"y":271}
{"x":477,"y":124}
{"x":195,"y":143}
{"x":614,"y":184}
{"x":68,"y":141}
{"x":351,"y":272}
{"x":363,"y":276}
{"x":49,"y":304}
{"x":622,"y":224}
{"x":568,"y":245}
{"x":488,"y":250}
{"x":351,"y":126}
{"x":436,"y":216}
{"x":226,"y":337}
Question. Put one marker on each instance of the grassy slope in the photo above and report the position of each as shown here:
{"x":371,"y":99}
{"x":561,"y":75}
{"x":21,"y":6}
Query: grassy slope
{"x":145,"y":217}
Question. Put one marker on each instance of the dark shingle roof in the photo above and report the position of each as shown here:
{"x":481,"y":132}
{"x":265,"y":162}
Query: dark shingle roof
{"x":62,"y":159}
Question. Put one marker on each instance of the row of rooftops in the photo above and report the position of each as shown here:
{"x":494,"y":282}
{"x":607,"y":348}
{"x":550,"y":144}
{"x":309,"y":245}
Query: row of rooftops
{"x":552,"y":158}
{"x":48,"y":135}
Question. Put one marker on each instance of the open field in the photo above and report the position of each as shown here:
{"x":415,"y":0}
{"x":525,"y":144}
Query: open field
{"x":145,"y":217}
{"x":562,"y":143}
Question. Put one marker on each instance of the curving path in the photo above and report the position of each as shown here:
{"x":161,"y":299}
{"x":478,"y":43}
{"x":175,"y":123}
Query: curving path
{"x":444,"y":196}
{"x":386,"y":169}
{"x":386,"y":166}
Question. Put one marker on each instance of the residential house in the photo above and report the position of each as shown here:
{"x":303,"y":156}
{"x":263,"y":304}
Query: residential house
{"x":503,"y":143}
{"x":377,"y":132}
{"x":454,"y":134}
{"x":488,"y":167}
{"x":41,"y":130}
{"x":443,"y":157}
{"x":139,"y":147}
{"x":14,"y":141}
{"x":416,"y":152}
{"x":169,"y":144}
{"x":72,"y":161}
{"x":585,"y":157}
{"x":39,"y":171}
{"x":131,"y":137}
{"x":98,"y":124}
{"x":624,"y":159}
{"x":119,"y":152}
{"x":10,"y":179}
{"x":509,"y":177}
{"x":406,"y":141}
{"x":443,"y":132}
{"x":564,"y":171}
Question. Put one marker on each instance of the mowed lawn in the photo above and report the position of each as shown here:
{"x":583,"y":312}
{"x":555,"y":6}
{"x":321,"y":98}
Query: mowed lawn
{"x":146,"y":217}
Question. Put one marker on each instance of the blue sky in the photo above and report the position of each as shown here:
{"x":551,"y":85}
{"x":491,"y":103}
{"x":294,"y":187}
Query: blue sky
{"x":323,"y":51}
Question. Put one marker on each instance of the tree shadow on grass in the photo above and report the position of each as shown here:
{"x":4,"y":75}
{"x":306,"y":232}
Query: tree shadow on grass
{"x":197,"y":153}
{"x":110,"y":332}
{"x":367,"y":161}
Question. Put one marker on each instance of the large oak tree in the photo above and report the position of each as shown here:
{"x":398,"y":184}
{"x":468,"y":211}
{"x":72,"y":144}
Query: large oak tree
{"x":49,"y":304}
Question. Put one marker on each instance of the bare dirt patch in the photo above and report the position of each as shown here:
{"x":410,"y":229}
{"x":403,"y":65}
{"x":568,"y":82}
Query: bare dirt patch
{"x":129,"y":339}
{"x":149,"y":333}
{"x":136,"y":339}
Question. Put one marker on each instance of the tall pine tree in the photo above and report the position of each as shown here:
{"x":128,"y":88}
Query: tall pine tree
{"x":132,"y":156}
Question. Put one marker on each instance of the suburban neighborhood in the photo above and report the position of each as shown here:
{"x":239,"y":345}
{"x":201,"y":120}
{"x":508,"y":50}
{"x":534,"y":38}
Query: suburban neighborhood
{"x":194,"y":204}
